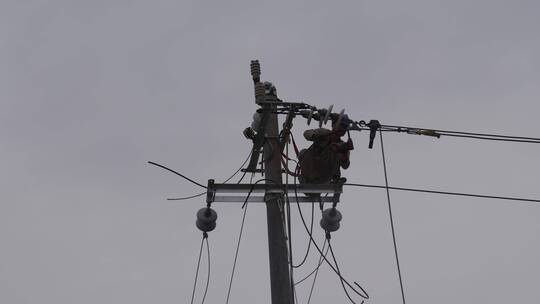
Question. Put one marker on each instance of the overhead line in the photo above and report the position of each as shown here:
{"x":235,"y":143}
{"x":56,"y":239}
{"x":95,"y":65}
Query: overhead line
{"x":483,"y":135}
{"x":447,"y":193}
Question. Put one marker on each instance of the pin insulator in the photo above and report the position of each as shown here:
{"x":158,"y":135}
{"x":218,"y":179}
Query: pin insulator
{"x":206,"y":219}
{"x":330,"y":219}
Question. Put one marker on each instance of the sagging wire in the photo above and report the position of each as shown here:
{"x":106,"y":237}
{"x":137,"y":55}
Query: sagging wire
{"x":316,"y":267}
{"x":342,"y":280}
{"x":208,"y":274}
{"x":391,"y":218}
{"x":177,"y":173}
{"x":317,"y":272}
{"x":473,"y":135}
{"x":530,"y":200}
{"x":244,"y":206}
{"x":228,"y":179}
{"x":186,"y":197}
{"x":288,"y":221}
{"x":204,"y":238}
{"x":336,"y":271}
{"x":309,"y":241}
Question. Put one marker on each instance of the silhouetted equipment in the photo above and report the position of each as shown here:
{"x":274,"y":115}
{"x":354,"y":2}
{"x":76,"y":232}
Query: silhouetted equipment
{"x":331,"y":219}
{"x":206,"y":219}
{"x":373,"y":125}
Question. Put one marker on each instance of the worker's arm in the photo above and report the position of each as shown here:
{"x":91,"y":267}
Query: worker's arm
{"x":345,"y":160}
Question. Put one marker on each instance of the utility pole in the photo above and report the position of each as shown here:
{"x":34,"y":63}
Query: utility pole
{"x":265,"y":136}
{"x":277,"y":244}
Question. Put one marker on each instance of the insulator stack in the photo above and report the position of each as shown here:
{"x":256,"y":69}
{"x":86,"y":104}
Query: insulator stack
{"x":255,"y":71}
{"x":259,"y":92}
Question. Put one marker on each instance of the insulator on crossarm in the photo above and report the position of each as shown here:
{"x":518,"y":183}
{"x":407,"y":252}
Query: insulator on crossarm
{"x":206,"y":219}
{"x":330,"y":219}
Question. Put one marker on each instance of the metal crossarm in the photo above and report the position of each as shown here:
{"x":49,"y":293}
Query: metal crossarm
{"x":262,"y":199}
{"x":295,"y":192}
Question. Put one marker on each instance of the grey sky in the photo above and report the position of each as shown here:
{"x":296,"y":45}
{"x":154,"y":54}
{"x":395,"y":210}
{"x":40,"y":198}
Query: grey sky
{"x":91,"y":90}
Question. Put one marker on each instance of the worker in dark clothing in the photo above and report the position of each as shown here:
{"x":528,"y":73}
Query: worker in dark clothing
{"x":322,"y":161}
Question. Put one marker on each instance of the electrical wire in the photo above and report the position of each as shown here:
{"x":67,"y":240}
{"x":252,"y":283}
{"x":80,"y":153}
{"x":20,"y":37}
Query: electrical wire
{"x":481,"y":136}
{"x":288,"y":221}
{"x":240,"y":168}
{"x":208,"y":274}
{"x":404,"y":129}
{"x":317,"y":246}
{"x":244,"y":206}
{"x":228,"y":179}
{"x":187,"y":197}
{"x":309,"y":241}
{"x":177,"y":173}
{"x":446,"y":193}
{"x":205,"y":237}
{"x":341,"y":279}
{"x":391,"y":218}
{"x":316,"y":267}
{"x":317,"y":272}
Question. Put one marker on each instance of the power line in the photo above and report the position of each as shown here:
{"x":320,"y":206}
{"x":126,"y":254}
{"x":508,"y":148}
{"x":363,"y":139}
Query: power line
{"x":446,"y":193}
{"x":205,"y":236}
{"x":244,"y":206}
{"x":336,"y":271}
{"x":317,"y":272}
{"x":316,"y":267}
{"x":177,"y":173}
{"x":404,"y":129}
{"x":309,"y":241}
{"x":186,"y":197}
{"x":438,"y":133}
{"x":228,"y":179}
{"x":391,"y":219}
{"x":208,"y":274}
{"x":342,"y":280}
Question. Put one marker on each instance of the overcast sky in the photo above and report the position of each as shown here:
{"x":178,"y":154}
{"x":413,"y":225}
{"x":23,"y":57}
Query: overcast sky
{"x":91,"y":90}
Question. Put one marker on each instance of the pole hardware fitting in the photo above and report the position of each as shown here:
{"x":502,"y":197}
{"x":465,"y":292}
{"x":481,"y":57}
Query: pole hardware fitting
{"x":210,"y":192}
{"x":206,"y":219}
{"x":373,"y":125}
{"x":330,"y":220}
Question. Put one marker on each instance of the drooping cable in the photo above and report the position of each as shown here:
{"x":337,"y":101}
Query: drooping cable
{"x":208,"y":272}
{"x":177,"y":173}
{"x":404,"y":129}
{"x":244,"y":206}
{"x":391,"y":218}
{"x":530,"y":200}
{"x":309,"y":241}
{"x":205,"y":237}
{"x":186,"y":198}
{"x":341,"y":279}
{"x":438,"y":133}
{"x":317,"y":246}
{"x":228,"y":179}
{"x":289,"y":229}
{"x":316,"y":271}
{"x":240,"y":168}
{"x":316,"y":267}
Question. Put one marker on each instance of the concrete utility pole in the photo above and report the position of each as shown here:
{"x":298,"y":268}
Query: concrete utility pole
{"x":277,"y":244}
{"x":264,"y":133}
